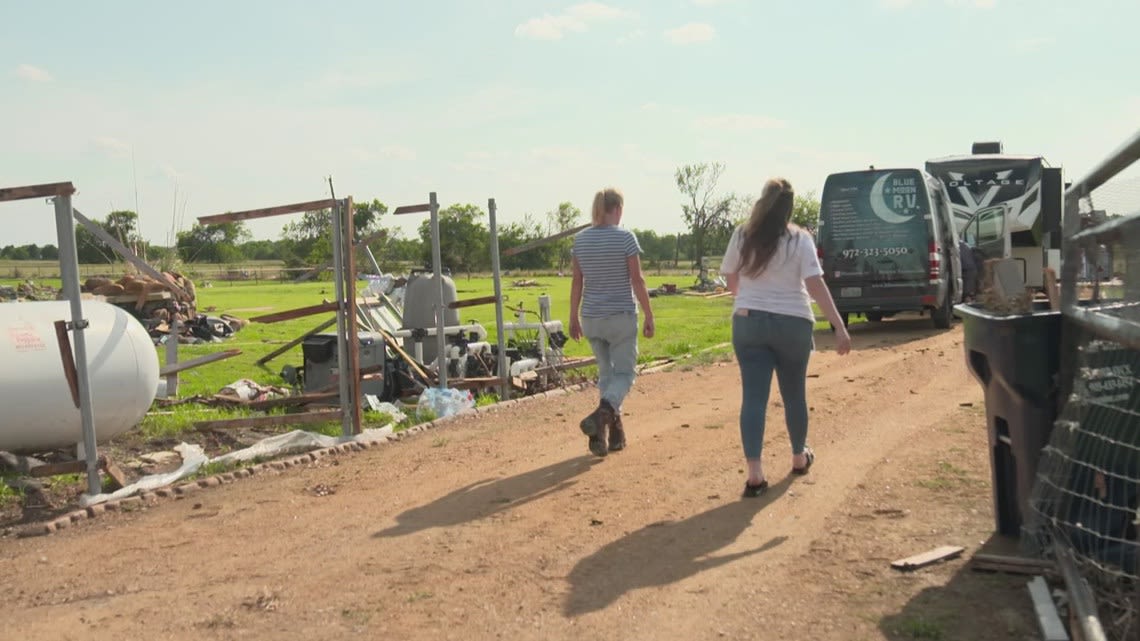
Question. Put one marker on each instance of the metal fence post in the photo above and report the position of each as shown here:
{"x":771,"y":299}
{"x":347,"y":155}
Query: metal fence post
{"x":441,"y":308}
{"x":504,"y":373}
{"x":69,"y":274}
{"x":343,"y":370}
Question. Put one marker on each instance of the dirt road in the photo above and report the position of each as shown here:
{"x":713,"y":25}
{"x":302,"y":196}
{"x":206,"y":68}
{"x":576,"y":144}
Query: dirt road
{"x":503,"y":527}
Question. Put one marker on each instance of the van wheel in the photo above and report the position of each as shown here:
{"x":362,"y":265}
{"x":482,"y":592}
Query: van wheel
{"x":874,"y":317}
{"x":944,"y":315}
{"x":845,"y":317}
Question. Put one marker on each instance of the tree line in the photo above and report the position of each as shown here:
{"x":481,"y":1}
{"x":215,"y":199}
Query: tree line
{"x":709,"y":215}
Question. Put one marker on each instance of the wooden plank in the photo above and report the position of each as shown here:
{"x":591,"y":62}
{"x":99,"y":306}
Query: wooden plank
{"x":68,"y":359}
{"x":1010,"y":564}
{"x":292,"y":314}
{"x":172,"y":357}
{"x":276,"y":420}
{"x":349,"y":228}
{"x":472,"y":302}
{"x":412,"y":209}
{"x":129,"y":255}
{"x":55,"y":469}
{"x":44,"y":190}
{"x":130,"y":298}
{"x":395,"y":345}
{"x":574,"y":364}
{"x":197,"y":362}
{"x":543,"y":241}
{"x":114,"y":472}
{"x":928,"y":558}
{"x":296,"y":341}
{"x":295,"y":208}
{"x":288,"y":401}
{"x":1052,"y":629}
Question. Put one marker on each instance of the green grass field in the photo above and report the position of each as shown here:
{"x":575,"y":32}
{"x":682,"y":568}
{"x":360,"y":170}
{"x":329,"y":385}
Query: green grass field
{"x":686,"y":326}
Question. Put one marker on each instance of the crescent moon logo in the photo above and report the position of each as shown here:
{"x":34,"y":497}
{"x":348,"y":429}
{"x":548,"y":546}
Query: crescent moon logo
{"x":879,"y":203}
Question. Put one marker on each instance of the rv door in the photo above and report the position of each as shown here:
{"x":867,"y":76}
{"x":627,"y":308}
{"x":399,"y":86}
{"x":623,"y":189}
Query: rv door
{"x":987,"y":234}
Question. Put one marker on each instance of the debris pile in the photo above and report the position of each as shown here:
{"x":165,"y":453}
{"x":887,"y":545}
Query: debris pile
{"x":28,"y":291}
{"x":158,"y":305}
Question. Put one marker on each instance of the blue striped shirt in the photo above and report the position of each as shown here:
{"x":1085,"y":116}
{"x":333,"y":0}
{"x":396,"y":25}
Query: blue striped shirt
{"x":603,"y":255}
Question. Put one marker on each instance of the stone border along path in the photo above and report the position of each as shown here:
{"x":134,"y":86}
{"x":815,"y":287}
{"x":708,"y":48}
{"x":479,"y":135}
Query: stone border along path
{"x":181,"y":490}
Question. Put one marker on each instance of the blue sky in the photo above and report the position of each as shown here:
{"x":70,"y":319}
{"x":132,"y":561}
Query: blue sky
{"x":238,"y":105}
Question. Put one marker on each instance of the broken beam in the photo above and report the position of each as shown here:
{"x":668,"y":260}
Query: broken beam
{"x":296,"y":208}
{"x":292,"y":314}
{"x":543,"y":241}
{"x":296,"y":341}
{"x":197,"y":362}
{"x":271,"y":421}
{"x":36,"y":191}
{"x":412,"y":209}
{"x":472,"y":302}
{"x":129,"y":255}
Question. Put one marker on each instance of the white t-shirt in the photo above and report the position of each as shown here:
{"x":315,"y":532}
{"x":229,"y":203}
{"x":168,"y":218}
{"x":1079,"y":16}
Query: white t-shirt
{"x":780,"y":288}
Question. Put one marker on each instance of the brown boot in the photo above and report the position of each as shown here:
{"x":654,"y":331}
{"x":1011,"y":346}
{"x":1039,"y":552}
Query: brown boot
{"x":595,"y":426}
{"x":617,"y":434}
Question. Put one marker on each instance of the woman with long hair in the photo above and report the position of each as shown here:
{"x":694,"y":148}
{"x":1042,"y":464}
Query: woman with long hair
{"x":772,"y":267}
{"x":607,"y":277}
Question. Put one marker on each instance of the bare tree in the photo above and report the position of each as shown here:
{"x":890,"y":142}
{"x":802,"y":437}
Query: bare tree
{"x":705,"y":212}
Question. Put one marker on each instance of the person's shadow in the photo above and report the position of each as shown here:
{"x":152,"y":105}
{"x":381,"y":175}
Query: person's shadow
{"x":666,"y":552}
{"x":488,"y":496}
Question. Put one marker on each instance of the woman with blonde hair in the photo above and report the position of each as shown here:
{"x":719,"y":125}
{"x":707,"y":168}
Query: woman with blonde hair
{"x":772,"y":267}
{"x":607,"y":278}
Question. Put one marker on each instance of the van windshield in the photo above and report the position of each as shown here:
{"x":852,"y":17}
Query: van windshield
{"x":875,"y":225}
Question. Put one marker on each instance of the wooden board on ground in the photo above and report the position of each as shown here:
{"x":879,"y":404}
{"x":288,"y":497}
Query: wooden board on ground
{"x":271,"y":421}
{"x":936,"y":555}
{"x":1010,"y":564}
{"x":131,"y":298}
{"x":292,"y":314}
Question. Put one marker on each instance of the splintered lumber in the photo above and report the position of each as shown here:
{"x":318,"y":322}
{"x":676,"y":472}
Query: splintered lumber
{"x":292,"y":314}
{"x":36,"y":191}
{"x":395,"y":345}
{"x":68,"y":359}
{"x":78,"y":467}
{"x":543,"y":241}
{"x":277,"y":420}
{"x":287,"y":401}
{"x":936,"y":555}
{"x":412,"y":209}
{"x":296,"y":341}
{"x":1010,"y":564}
{"x":296,"y":208}
{"x":198,"y":362}
{"x":475,"y":382}
{"x":129,"y":255}
{"x":1052,"y":629}
{"x":472,"y":302}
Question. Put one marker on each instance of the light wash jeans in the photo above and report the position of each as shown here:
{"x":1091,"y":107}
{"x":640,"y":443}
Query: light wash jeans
{"x":613,"y":340}
{"x":765,"y":343}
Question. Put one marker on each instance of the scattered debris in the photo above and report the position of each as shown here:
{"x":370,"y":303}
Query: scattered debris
{"x":321,"y":490}
{"x":526,"y":283}
{"x":936,"y":555}
{"x":28,"y":291}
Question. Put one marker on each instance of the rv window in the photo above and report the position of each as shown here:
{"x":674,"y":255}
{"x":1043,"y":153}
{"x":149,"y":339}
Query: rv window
{"x":990,"y":225}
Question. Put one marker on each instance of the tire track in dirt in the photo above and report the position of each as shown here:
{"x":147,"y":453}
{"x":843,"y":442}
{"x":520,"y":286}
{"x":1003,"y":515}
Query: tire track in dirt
{"x":498,"y":526}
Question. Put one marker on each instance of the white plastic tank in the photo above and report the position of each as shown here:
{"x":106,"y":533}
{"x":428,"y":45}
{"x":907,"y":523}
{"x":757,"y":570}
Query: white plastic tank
{"x":36,"y":409}
{"x":421,"y":297}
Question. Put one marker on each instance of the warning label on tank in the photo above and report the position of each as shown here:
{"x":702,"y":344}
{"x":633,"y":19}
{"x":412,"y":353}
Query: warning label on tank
{"x":25,"y":338}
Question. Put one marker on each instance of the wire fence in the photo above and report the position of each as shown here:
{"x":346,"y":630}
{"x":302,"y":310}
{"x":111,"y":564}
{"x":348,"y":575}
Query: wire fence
{"x":1086,"y":501}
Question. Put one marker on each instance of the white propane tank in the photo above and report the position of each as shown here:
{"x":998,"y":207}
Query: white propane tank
{"x":36,"y":410}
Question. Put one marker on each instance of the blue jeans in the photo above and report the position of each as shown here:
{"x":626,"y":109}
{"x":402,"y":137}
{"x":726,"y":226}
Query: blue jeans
{"x":613,"y":340}
{"x":766,"y":342}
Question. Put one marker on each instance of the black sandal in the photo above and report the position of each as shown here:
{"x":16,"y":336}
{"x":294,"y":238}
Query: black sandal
{"x":752,"y":491}
{"x":807,"y":466}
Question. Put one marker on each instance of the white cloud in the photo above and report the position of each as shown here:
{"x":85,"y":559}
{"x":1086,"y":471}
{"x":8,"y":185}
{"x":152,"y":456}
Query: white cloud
{"x":739,"y":122}
{"x":895,"y":4}
{"x":710,"y":3}
{"x":113,"y":147}
{"x":691,"y":33}
{"x":898,"y":5}
{"x":576,"y":18}
{"x":32,"y":73}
